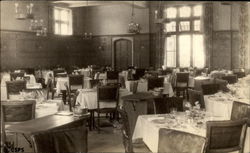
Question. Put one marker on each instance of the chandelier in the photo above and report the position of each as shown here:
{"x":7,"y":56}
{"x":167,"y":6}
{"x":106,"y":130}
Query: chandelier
{"x":24,"y":14}
{"x":132,"y":26}
{"x":87,"y":35}
{"x":38,"y":27}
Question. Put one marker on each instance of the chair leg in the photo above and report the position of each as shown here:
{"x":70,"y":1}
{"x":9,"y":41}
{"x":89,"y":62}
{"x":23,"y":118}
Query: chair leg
{"x":98,"y":122}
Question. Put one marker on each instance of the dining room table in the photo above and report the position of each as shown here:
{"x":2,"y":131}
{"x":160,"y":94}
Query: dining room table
{"x":148,"y":126}
{"x":31,"y":85}
{"x":142,"y":86}
{"x":87,"y":98}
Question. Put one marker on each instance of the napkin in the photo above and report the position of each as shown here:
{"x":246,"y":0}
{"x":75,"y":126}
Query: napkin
{"x":155,"y":118}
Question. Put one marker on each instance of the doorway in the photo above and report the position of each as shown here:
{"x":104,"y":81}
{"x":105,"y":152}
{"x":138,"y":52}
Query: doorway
{"x":122,"y":51}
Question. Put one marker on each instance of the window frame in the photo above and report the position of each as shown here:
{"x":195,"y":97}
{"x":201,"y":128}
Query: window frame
{"x":177,"y":33}
{"x":59,"y":21}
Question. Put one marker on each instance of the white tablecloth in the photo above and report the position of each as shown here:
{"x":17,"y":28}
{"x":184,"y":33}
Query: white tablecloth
{"x":48,"y":108}
{"x":88,"y":98}
{"x":148,"y":126}
{"x":221,"y":104}
{"x":6,"y":77}
{"x":62,"y":80}
{"x":148,"y":130}
{"x":143,"y":87}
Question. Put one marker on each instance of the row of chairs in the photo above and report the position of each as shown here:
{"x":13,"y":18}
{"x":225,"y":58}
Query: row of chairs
{"x":222,"y":136}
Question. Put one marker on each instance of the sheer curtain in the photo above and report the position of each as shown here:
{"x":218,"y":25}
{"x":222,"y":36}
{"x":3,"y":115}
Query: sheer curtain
{"x":207,"y":27}
{"x":244,"y":27}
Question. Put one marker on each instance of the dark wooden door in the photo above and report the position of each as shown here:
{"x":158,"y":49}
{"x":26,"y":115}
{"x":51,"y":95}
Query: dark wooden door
{"x":123,"y":54}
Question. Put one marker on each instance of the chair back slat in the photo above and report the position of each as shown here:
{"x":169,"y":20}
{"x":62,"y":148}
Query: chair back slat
{"x":15,"y":87}
{"x":194,"y":96}
{"x":231,"y":79}
{"x":222,"y":84}
{"x":107,"y":93}
{"x":138,"y":74}
{"x":226,"y":136}
{"x":210,"y":89}
{"x":17,"y":111}
{"x":56,"y":72}
{"x":164,"y":104}
{"x":14,"y":75}
{"x":57,"y":141}
{"x":112,"y":75}
{"x":240,"y":111}
{"x":182,"y":77}
{"x":161,"y":105}
{"x":178,"y":141}
{"x":76,"y":80}
{"x":155,"y":82}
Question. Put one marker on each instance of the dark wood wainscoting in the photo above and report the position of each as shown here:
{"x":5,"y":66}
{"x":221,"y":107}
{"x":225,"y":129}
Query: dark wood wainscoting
{"x":24,"y":49}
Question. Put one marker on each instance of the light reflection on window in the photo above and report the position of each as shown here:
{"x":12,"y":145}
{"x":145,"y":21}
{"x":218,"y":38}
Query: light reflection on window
{"x":171,"y":12}
{"x":198,"y":10}
{"x":185,"y":11}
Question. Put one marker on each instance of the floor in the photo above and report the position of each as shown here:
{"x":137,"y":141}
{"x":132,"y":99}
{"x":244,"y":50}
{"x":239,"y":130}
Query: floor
{"x":109,"y":140}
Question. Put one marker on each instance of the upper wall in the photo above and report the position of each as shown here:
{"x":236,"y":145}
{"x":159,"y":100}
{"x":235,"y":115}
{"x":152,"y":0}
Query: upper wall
{"x":102,"y":20}
{"x":113,"y":19}
{"x":221,"y":16}
{"x":8,"y":20}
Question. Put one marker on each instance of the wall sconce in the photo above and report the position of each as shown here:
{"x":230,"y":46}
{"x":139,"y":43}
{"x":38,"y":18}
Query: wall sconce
{"x":87,"y":35}
{"x":22,"y":15}
{"x":101,"y":47}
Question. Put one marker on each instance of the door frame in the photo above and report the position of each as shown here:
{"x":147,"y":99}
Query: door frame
{"x":114,"y":40}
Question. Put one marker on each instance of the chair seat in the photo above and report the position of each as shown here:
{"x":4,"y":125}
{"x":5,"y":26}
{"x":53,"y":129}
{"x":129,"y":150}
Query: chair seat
{"x":106,"y":110}
{"x":140,"y":147}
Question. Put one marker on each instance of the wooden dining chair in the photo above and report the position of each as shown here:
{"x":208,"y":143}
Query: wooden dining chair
{"x":15,"y":87}
{"x":226,"y":136}
{"x":161,"y":105}
{"x":240,"y":74}
{"x":182,"y":82}
{"x":127,"y":135}
{"x":107,"y":94}
{"x":112,"y":77}
{"x":14,"y":75}
{"x":16,"y":111}
{"x":76,"y":81}
{"x":222,"y":84}
{"x":155,"y":82}
{"x":173,"y":141}
{"x":231,"y":79}
{"x":240,"y":110}
{"x":64,"y":140}
{"x":71,"y":97}
{"x":175,"y":102}
{"x":194,"y":95}
{"x":94,"y":83}
{"x":139,"y":73}
{"x":210,"y":89}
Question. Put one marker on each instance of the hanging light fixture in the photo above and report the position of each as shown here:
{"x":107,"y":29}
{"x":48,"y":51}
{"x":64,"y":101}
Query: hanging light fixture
{"x":132,"y":26}
{"x":22,"y":14}
{"x":87,"y":35}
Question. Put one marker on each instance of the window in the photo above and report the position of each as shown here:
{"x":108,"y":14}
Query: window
{"x":62,"y":21}
{"x":183,"y":37}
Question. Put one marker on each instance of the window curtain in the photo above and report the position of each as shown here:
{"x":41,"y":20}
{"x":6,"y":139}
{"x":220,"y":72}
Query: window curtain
{"x":243,"y":29}
{"x":159,"y":39}
{"x":207,"y":27}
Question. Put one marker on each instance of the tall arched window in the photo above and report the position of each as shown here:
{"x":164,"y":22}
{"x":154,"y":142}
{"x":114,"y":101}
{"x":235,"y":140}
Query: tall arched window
{"x":183,"y":37}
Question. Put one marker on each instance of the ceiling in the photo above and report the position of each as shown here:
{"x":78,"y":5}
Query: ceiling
{"x":137,"y":4}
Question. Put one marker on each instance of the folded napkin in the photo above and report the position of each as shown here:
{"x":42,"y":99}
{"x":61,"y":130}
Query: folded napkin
{"x":155,"y":118}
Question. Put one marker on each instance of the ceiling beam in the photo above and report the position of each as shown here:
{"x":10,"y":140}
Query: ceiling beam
{"x":137,"y":4}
